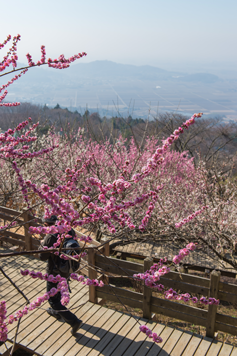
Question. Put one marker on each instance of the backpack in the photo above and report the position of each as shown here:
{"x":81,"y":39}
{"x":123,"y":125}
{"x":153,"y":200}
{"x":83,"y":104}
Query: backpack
{"x":66,"y":267}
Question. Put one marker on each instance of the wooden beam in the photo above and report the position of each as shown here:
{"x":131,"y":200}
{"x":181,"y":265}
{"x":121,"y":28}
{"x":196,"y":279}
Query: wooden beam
{"x":9,"y":211}
{"x":13,"y":241}
{"x":147,"y":292}
{"x":136,"y":267}
{"x":28,"y":237}
{"x":7,"y":233}
{"x":120,"y":292}
{"x":92,"y":274}
{"x":212,"y":309}
{"x":119,"y":299}
{"x":105,"y":251}
{"x":6,"y":217}
{"x":182,"y":308}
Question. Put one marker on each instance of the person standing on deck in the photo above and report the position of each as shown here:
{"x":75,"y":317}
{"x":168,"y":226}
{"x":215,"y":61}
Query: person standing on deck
{"x":57,"y":310}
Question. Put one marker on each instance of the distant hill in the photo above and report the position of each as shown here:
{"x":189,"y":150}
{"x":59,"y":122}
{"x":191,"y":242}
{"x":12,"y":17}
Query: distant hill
{"x":110,"y":70}
{"x":200,"y":78}
{"x":111,"y":87}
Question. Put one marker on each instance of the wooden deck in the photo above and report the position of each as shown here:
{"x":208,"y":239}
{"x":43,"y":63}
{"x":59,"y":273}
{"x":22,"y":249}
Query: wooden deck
{"x":104,"y":331}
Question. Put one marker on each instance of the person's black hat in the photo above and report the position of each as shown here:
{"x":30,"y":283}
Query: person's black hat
{"x":51,"y":220}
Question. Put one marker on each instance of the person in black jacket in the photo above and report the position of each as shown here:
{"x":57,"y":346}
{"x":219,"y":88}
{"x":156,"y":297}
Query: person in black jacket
{"x":57,"y":310}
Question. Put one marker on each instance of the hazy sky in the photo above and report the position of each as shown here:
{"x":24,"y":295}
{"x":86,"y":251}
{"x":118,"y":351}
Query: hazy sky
{"x":161,"y":33}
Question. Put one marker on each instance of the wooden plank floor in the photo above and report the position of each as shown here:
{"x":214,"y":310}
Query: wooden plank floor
{"x":103,"y":332}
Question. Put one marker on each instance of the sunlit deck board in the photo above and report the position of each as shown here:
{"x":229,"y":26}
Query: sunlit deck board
{"x":33,"y":323}
{"x":203,"y":347}
{"x":214,"y":349}
{"x":234,"y":352}
{"x":86,"y":333}
{"x":129,"y":324}
{"x":64,"y":335}
{"x":89,"y":311}
{"x":99,"y":334}
{"x":181,"y":344}
{"x":103,"y":332}
{"x":147,"y":345}
{"x":226,"y":350}
{"x":43,"y":334}
{"x":119,"y":319}
{"x":4,"y":347}
{"x":192,"y":345}
{"x":171,"y":343}
{"x":93,"y":335}
{"x":138,"y":341}
{"x":125,"y":343}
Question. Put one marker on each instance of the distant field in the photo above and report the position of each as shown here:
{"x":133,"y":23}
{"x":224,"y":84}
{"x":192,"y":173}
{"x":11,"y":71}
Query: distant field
{"x":128,"y":92}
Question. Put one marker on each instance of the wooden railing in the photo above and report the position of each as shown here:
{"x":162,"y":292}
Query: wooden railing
{"x":210,"y":319}
{"x":206,"y":268}
{"x":24,"y":239}
{"x":23,"y":219}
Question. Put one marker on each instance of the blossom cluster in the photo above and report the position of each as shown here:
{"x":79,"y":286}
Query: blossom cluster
{"x":62,"y":62}
{"x":11,"y":59}
{"x":5,"y":42}
{"x":9,"y":150}
{"x":152,"y":276}
{"x":12,"y":224}
{"x":157,"y":157}
{"x":184,"y":252}
{"x":144,"y":329}
{"x":11,"y":56}
{"x":63,"y":288}
{"x":85,"y":238}
{"x":87,"y":281}
{"x":3,"y":326}
{"x":33,"y":305}
{"x":107,"y":213}
{"x":21,"y":182}
{"x":190,"y":217}
{"x":4,"y":86}
{"x":173,"y":295}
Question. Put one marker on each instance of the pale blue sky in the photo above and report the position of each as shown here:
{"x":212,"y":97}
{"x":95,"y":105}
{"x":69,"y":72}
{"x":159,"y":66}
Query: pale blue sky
{"x":154,"y":32}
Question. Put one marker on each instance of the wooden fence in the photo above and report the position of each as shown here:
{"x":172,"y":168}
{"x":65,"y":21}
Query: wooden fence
{"x":24,"y":239}
{"x":130,"y":251}
{"x":210,"y":319}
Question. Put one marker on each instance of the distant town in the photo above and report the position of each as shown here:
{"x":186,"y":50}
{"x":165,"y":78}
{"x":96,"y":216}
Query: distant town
{"x":116,"y":89}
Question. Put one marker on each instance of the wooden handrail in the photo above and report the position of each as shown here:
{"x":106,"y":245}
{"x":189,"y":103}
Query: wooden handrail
{"x":211,"y":319}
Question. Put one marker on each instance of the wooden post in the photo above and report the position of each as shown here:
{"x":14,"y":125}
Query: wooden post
{"x":1,"y":241}
{"x":28,"y":238}
{"x":212,"y":309}
{"x":105,"y":251}
{"x":184,"y":269}
{"x":123,"y":257}
{"x":92,"y":274}
{"x":147,"y":292}
{"x":98,"y":235}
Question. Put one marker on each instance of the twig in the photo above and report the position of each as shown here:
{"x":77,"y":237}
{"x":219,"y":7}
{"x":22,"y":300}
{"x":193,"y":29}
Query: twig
{"x":33,"y":252}
{"x":14,"y":285}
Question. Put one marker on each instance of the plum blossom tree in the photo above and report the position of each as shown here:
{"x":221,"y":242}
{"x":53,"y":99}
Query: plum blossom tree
{"x":146,"y":192}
